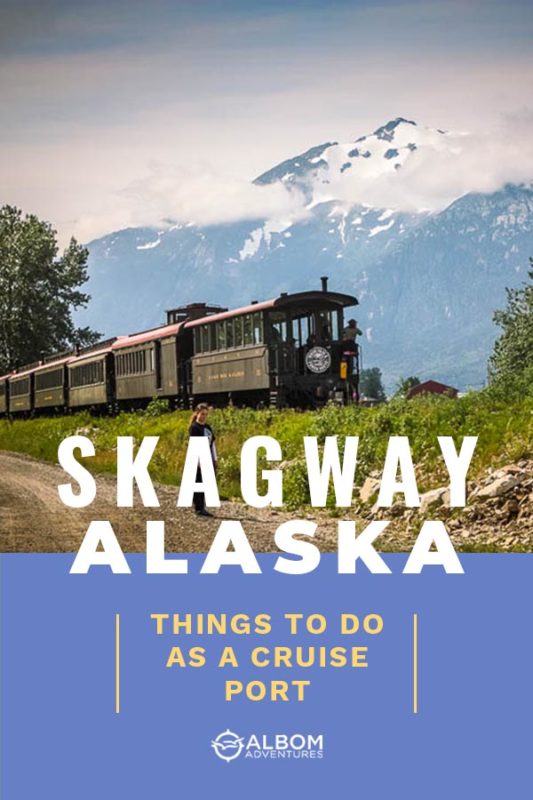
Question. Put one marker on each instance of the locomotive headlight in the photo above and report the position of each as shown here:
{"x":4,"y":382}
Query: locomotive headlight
{"x":318,"y":360}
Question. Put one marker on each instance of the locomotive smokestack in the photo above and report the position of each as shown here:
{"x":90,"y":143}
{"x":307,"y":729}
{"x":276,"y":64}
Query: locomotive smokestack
{"x":324,"y":281}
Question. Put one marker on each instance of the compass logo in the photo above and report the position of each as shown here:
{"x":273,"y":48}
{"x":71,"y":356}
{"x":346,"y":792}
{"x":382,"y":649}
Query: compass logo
{"x":228,"y":745}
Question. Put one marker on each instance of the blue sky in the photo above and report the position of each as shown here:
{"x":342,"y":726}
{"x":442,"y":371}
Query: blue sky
{"x":94,"y":94}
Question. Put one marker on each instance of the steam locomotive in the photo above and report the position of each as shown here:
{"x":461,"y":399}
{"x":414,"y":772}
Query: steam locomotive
{"x":288,"y":351}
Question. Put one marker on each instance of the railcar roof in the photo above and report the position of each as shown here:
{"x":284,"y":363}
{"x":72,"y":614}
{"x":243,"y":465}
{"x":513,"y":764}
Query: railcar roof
{"x":283,"y":301}
{"x":37,"y":368}
{"x":93,"y":354}
{"x":233,"y":313}
{"x":23,"y":374}
{"x":51,"y":364}
{"x":148,"y":336}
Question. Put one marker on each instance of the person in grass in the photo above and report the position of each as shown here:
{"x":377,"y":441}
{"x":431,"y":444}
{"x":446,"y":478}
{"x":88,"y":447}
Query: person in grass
{"x":199,"y":427}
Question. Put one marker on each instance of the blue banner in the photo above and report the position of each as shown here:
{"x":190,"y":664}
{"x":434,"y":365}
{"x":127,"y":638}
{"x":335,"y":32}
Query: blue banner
{"x":434,"y":699}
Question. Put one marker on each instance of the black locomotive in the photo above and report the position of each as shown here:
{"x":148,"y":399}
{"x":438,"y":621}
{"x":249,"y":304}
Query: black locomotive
{"x":289,"y":351}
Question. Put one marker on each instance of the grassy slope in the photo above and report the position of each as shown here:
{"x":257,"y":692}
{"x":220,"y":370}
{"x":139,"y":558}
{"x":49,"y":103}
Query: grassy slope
{"x":505,"y":432}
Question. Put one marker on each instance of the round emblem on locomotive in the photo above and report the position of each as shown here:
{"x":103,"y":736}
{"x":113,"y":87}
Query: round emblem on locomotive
{"x":318,"y":359}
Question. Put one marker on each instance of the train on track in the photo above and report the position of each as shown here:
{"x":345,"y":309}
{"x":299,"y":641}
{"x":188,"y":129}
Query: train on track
{"x":288,"y":351}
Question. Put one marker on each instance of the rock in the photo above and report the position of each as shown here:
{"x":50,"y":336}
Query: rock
{"x":510,"y":468}
{"x":397,"y":509}
{"x":512,"y":506}
{"x":502,"y":485}
{"x":86,"y":431}
{"x":283,"y":465}
{"x":369,"y":489}
{"x":433,"y":498}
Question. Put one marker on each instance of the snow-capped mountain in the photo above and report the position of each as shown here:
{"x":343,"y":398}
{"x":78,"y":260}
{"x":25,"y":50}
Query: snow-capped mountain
{"x":428,"y":268}
{"x":329,"y":171}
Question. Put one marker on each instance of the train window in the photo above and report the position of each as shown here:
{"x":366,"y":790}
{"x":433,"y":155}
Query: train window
{"x":221,"y":336}
{"x":238,"y":330}
{"x":278,"y":331}
{"x":336,"y":326}
{"x":49,"y":380}
{"x":305,"y":330}
{"x":2,"y":390}
{"x":87,"y":374}
{"x":198,"y":348}
{"x":248,"y":334}
{"x":20,"y":387}
{"x":206,"y":344}
{"x":324,"y":326}
{"x":257,"y":322}
{"x":156,"y":364}
{"x":229,"y":333}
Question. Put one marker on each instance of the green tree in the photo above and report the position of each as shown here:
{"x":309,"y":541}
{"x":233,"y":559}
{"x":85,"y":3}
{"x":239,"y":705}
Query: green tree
{"x":511,"y":363}
{"x":38,"y":291}
{"x":371,"y":384}
{"x":404,"y":384}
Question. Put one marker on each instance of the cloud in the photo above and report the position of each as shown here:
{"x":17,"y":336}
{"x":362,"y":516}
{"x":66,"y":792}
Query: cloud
{"x":449,"y":167}
{"x":199,"y":195}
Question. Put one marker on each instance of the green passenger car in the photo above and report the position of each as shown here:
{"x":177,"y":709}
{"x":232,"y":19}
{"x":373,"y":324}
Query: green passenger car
{"x":50,"y":385}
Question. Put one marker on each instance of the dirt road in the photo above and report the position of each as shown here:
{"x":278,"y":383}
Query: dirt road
{"x":33,"y":519}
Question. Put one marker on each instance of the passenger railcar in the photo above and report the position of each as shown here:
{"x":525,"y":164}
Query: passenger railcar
{"x":21,"y":392}
{"x":51,"y":386}
{"x":285,"y":351}
{"x":147,"y":364}
{"x":91,"y":379}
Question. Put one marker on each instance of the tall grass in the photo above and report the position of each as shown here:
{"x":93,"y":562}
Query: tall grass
{"x":504,"y":430}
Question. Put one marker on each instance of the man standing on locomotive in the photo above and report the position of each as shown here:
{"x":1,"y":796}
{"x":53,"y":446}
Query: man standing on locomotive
{"x":199,"y":427}
{"x":349,"y":335}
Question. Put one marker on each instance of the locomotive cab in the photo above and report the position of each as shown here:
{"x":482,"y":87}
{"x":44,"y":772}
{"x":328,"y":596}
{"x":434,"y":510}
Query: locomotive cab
{"x":308,"y":359}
